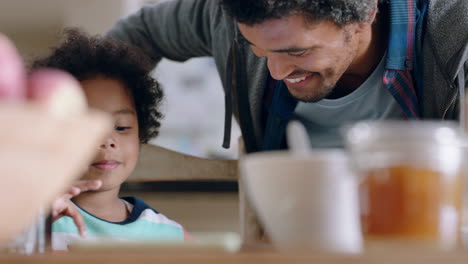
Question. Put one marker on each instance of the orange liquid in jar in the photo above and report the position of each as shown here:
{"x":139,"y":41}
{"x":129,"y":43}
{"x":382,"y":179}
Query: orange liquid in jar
{"x":411,"y":203}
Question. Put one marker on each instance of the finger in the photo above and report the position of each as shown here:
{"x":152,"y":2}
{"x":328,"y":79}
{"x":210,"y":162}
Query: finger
{"x":88,"y":185}
{"x":67,"y":197}
{"x":55,"y":213}
{"x":12,"y":72}
{"x":74,"y":191}
{"x":77,"y":218}
{"x":60,"y":206}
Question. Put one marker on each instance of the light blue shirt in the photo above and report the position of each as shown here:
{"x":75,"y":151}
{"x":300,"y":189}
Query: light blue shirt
{"x":325,"y":119}
{"x":143,"y":224}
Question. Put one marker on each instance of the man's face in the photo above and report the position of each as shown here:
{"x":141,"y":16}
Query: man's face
{"x":309,"y":58}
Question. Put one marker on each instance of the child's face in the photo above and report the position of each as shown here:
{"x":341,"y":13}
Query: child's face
{"x":118,"y":153}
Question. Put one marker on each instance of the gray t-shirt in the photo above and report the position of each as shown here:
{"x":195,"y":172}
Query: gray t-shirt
{"x":324,"y":119}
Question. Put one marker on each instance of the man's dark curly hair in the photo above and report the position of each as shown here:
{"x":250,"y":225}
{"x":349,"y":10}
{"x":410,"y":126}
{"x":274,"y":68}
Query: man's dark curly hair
{"x":87,"y":57}
{"x":341,"y":12}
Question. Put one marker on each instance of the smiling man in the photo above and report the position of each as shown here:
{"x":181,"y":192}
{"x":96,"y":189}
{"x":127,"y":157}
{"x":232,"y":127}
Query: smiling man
{"x":323,"y":62}
{"x":312,"y":56}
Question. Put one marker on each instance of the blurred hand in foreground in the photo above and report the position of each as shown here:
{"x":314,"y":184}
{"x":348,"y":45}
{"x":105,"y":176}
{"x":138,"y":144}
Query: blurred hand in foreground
{"x":49,"y":137}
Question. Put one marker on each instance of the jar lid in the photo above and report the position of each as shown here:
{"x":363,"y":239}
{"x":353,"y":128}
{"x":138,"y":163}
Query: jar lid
{"x":372,"y":133}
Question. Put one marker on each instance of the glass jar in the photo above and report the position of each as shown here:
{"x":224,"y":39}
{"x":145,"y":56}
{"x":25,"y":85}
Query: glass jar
{"x":410,"y":180}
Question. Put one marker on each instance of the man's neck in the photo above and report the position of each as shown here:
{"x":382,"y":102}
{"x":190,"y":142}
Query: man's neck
{"x":103,"y":204}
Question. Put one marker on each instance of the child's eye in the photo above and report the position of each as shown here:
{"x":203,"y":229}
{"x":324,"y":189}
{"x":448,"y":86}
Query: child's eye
{"x":122,"y":128}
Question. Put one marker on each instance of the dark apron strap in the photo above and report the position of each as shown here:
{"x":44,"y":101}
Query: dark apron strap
{"x":279,"y":114}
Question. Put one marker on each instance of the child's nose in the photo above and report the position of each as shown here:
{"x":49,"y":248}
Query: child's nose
{"x":111,"y":145}
{"x":108,"y":144}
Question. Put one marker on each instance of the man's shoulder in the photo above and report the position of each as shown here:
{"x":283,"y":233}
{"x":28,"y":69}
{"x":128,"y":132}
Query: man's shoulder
{"x":447,"y":23}
{"x":447,"y":14}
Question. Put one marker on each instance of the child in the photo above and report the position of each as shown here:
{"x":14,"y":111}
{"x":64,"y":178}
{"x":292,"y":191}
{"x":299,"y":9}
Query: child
{"x":115,"y":79}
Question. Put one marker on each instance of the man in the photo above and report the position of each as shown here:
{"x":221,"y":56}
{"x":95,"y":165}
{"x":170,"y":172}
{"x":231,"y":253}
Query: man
{"x":326,"y":62}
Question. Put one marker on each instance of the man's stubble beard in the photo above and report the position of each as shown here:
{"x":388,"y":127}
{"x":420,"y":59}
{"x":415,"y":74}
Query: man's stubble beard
{"x":324,"y":89}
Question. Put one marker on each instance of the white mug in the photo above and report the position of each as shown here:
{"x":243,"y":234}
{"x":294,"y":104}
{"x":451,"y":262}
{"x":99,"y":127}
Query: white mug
{"x":306,"y":201}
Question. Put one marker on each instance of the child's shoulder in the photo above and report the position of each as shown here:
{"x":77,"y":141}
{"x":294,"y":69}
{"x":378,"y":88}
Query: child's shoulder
{"x":142,"y":211}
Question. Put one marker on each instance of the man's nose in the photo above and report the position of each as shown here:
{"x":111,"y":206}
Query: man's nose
{"x":279,"y":67}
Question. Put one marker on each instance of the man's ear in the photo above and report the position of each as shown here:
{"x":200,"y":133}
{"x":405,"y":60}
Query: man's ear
{"x":373,"y":14}
{"x":370,"y":20}
{"x":362,"y":27}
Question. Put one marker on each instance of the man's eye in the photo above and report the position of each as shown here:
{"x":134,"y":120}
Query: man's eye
{"x":298,"y":53}
{"x":122,"y":128}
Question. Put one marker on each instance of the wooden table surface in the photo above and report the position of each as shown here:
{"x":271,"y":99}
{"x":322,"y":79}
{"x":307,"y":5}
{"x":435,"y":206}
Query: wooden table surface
{"x":392,"y":255}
